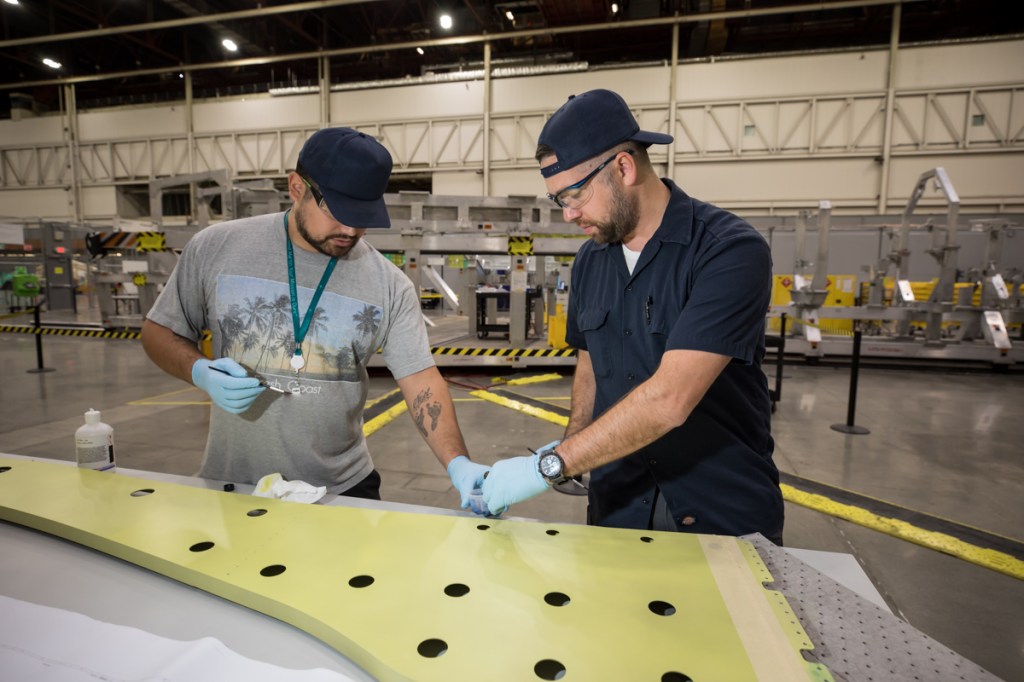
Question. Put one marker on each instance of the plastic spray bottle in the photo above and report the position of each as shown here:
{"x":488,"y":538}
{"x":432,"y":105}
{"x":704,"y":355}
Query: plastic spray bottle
{"x":94,"y":443}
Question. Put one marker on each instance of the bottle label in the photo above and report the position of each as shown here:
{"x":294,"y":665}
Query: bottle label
{"x":94,"y":454}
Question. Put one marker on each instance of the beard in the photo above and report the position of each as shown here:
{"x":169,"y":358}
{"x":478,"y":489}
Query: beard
{"x":324,"y":245}
{"x":622,"y":218}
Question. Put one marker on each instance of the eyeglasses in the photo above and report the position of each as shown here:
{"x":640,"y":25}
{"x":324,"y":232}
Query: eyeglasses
{"x":579,"y":193}
{"x":318,"y":196}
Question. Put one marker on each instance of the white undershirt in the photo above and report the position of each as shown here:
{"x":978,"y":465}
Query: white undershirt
{"x":631,"y":258}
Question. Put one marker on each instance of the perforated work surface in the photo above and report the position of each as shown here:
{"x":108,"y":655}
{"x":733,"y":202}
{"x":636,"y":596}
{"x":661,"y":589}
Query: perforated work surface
{"x":424,"y":597}
{"x":857,"y":640}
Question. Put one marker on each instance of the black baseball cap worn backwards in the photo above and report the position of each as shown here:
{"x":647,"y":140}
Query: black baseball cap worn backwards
{"x":351,"y":170}
{"x":588,"y":124}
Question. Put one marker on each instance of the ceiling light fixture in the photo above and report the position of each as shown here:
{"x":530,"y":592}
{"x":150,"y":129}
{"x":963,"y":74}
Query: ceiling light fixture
{"x":11,"y":2}
{"x":446,"y":21}
{"x":615,"y":8}
{"x":419,"y":50}
{"x":229,"y":44}
{"x":508,"y":15}
{"x":51,"y":63}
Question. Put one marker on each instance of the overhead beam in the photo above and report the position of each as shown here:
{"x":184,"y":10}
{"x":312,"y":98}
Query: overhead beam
{"x":454,"y":40}
{"x":185,"y":21}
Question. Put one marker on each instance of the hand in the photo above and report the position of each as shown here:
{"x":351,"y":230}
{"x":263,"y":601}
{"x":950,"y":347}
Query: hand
{"x":228,"y":383}
{"x":511,"y":481}
{"x":466,"y":476}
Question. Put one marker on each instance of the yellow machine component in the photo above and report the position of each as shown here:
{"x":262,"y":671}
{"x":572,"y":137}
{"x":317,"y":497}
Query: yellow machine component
{"x":841,"y":292}
{"x":556,"y":328}
{"x":429,"y":597}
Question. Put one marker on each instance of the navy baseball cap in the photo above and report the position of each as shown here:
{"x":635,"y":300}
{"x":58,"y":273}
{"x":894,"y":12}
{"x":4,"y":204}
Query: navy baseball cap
{"x":589,"y":124}
{"x":351,"y":170}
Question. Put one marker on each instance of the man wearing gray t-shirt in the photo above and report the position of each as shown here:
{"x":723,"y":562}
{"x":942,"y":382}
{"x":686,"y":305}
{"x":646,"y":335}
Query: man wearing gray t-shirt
{"x":299,"y":302}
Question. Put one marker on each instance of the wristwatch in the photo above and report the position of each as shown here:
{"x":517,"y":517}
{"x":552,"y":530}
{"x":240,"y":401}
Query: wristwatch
{"x":552,"y":468}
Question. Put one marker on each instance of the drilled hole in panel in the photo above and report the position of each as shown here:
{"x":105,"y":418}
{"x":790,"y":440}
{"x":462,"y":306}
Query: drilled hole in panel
{"x":482,"y":526}
{"x":556,"y":598}
{"x":4,"y":470}
{"x":644,"y":538}
{"x":432,"y":648}
{"x":456,"y":590}
{"x":361,"y":581}
{"x":143,"y":492}
{"x":551,"y":532}
{"x":256,"y":512}
{"x":662,"y":608}
{"x":675,"y":677}
{"x":272,"y":570}
{"x":549,"y":669}
{"x":201,"y":546}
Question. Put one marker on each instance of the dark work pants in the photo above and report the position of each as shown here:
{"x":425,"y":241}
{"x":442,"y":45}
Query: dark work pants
{"x":367,"y":489}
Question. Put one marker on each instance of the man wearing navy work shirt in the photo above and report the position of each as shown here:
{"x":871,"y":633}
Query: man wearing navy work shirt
{"x":670,"y":408}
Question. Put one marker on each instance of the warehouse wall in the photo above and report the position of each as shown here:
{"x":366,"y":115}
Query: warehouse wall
{"x":760,"y":136}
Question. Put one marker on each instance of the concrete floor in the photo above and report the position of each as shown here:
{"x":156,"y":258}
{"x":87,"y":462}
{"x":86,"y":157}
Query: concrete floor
{"x":948,"y":444}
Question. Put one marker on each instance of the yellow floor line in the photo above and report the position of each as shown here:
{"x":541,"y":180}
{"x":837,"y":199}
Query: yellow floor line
{"x":531,"y":380}
{"x":522,"y":407}
{"x":383,"y":419}
{"x":940,"y":542}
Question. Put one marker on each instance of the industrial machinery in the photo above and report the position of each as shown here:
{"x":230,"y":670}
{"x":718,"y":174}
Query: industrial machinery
{"x":960,"y":315}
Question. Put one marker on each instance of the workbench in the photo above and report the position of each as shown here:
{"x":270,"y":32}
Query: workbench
{"x":835,"y":602}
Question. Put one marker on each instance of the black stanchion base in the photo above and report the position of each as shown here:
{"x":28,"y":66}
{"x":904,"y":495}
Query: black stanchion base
{"x":853,"y":430}
{"x":40,"y":370}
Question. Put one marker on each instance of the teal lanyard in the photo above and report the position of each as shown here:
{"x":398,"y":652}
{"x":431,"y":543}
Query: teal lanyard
{"x":301,"y":329}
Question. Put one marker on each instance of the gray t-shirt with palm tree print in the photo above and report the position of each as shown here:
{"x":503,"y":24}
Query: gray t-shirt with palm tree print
{"x":232,"y":279}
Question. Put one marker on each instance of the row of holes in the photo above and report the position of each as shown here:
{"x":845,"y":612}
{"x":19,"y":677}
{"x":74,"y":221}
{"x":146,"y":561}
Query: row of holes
{"x":547,"y":669}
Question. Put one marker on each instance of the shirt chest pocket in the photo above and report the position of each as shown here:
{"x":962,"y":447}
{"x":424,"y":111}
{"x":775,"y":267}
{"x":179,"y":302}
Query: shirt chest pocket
{"x":601,"y":342}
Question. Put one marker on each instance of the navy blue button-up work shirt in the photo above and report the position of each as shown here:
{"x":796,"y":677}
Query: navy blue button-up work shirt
{"x":703,"y":282}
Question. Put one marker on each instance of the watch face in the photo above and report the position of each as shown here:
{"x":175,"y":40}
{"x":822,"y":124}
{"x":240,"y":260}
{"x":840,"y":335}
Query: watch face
{"x":551,"y":466}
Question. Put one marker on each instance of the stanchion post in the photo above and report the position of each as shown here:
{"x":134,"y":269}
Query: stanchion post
{"x":39,"y":344}
{"x":851,"y":409}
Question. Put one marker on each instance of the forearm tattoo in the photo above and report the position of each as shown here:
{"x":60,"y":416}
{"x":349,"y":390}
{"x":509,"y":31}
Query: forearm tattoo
{"x":422,"y":408}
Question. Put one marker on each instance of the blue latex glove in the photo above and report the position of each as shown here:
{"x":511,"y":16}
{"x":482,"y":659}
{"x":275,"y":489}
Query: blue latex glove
{"x":466,"y":476}
{"x":228,"y":383}
{"x":511,"y":481}
{"x":543,"y":450}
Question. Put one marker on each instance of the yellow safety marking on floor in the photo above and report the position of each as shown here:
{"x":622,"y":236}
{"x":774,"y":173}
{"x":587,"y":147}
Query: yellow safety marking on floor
{"x":383,"y":419}
{"x":501,"y":599}
{"x":940,"y":542}
{"x":18,"y":314}
{"x":540,"y":378}
{"x":522,"y":407}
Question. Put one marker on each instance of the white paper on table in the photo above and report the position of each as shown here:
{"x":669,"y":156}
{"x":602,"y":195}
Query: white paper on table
{"x":44,"y":644}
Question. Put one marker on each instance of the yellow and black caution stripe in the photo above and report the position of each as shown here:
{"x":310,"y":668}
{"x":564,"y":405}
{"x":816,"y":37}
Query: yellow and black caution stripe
{"x":520,"y":246}
{"x":977,"y":546}
{"x":151,"y":241}
{"x":69,"y":331}
{"x":506,"y":352}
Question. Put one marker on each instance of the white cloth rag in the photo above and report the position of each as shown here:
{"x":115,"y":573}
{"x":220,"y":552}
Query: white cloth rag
{"x":274,"y":486}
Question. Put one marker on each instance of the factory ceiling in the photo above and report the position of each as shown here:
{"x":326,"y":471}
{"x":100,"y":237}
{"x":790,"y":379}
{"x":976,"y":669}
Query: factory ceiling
{"x":125,"y":51}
